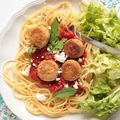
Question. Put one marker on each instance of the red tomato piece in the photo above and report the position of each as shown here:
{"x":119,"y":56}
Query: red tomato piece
{"x":52,"y":88}
{"x":69,"y":35}
{"x":66,"y":34}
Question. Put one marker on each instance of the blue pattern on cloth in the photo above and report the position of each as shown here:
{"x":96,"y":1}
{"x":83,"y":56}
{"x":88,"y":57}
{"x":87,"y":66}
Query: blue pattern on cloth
{"x":5,"y":113}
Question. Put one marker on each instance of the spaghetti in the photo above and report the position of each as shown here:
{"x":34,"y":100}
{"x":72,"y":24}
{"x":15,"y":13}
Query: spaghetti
{"x":26,"y":88}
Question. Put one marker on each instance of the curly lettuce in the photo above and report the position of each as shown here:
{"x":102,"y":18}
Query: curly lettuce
{"x":103,"y":107}
{"x":105,"y":63}
{"x":104,"y":97}
{"x":101,"y":24}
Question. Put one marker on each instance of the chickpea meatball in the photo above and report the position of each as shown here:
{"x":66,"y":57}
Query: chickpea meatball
{"x":74,"y":48}
{"x":40,"y":36}
{"x":71,"y":70}
{"x":47,"y":70}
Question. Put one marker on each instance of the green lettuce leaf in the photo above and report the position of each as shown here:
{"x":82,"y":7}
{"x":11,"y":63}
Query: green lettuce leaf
{"x":101,"y":24}
{"x":103,"y":107}
{"x":104,"y":96}
{"x":105,"y":63}
{"x":101,"y":88}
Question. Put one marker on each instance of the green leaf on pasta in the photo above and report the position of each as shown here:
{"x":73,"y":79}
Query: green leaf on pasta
{"x":55,"y":43}
{"x":64,"y":93}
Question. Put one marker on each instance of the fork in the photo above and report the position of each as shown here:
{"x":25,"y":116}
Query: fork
{"x":114,"y":51}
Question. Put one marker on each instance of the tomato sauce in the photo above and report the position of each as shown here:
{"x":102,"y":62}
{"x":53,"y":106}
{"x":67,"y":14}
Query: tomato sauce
{"x":58,"y":85}
{"x":43,"y":54}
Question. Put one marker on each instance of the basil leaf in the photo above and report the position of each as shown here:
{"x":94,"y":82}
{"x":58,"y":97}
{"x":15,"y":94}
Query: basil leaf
{"x":54,"y":32}
{"x":31,"y":49}
{"x":65,"y":93}
{"x":60,"y":43}
{"x":55,"y":43}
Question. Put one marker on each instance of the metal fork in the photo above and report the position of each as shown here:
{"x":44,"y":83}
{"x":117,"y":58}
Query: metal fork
{"x":114,"y":51}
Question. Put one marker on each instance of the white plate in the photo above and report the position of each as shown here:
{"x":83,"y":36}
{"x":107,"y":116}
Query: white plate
{"x":8,"y":47}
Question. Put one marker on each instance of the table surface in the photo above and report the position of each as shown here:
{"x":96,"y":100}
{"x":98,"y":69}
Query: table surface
{"x":7,"y":9}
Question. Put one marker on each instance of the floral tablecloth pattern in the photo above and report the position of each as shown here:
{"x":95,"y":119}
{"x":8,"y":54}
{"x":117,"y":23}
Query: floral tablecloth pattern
{"x":5,"y":113}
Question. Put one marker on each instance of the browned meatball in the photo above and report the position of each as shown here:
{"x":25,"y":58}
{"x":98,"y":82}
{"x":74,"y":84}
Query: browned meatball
{"x":47,"y":70}
{"x":71,"y":70}
{"x":40,"y":36}
{"x":74,"y":48}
